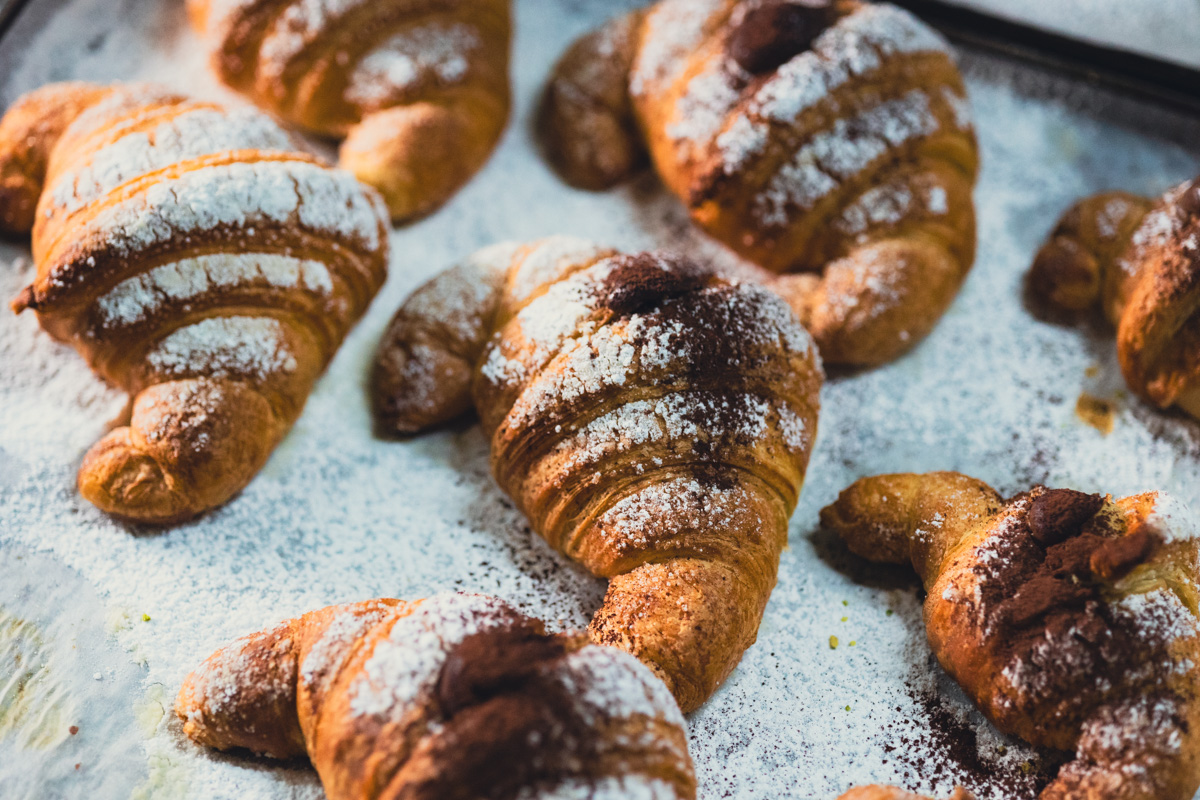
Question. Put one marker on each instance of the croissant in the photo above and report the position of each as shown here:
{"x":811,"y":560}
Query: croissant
{"x":419,"y":90}
{"x":196,"y":260}
{"x":1069,"y":618}
{"x":830,"y":140}
{"x":1137,"y":260}
{"x":888,"y":793}
{"x":456,"y":697}
{"x":652,"y":419}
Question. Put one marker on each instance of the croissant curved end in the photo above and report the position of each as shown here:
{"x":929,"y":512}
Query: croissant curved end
{"x":121,"y":480}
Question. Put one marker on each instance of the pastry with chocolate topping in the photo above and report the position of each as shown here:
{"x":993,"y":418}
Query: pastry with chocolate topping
{"x":455,"y":696}
{"x":826,"y":141}
{"x":1069,"y":618}
{"x":1137,"y":261}
{"x":652,"y":418}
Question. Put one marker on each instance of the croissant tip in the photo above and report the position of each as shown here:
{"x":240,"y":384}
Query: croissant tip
{"x":24,"y":300}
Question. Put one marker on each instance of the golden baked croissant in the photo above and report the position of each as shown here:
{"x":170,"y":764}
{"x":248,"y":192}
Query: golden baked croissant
{"x":828,"y":139}
{"x":419,"y":90}
{"x":456,"y":697}
{"x":653,"y":421}
{"x":1137,"y":260}
{"x":196,"y":260}
{"x":888,"y":793}
{"x":1070,"y":619}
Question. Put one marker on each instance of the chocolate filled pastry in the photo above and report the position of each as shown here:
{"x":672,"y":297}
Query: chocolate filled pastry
{"x":418,"y":89}
{"x":652,"y":419}
{"x":829,"y":142}
{"x":456,"y":697}
{"x":198,"y":260}
{"x":1138,"y":262}
{"x":1070,"y":619}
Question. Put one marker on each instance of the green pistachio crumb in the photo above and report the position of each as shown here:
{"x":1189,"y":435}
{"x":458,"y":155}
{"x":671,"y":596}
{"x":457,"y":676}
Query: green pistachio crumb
{"x":145,"y":617}
{"x":853,"y":643}
{"x":847,"y":708}
{"x":890,"y":612}
{"x":845,"y":602}
{"x":833,"y":643}
{"x":845,"y":618}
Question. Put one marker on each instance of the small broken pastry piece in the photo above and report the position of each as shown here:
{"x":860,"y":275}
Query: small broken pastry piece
{"x":1069,"y":618}
{"x":455,"y":696}
{"x":1137,"y":261}
{"x":829,"y":143}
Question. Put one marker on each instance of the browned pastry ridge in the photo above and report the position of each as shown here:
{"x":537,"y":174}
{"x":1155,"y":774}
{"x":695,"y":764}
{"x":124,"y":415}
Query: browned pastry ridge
{"x":1069,"y":618}
{"x":1138,"y":260}
{"x":826,"y":140}
{"x":651,"y":419}
{"x":197,"y":260}
{"x":456,"y":697}
{"x":418,"y":89}
{"x":890,"y":793}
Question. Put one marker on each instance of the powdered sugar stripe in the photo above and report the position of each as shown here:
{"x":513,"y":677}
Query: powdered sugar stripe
{"x":401,"y":62}
{"x":301,"y":23}
{"x":608,"y":683}
{"x":842,"y":152}
{"x":253,"y":347}
{"x":139,"y":297}
{"x":242,"y":196}
{"x":197,"y":132}
{"x":350,"y":624}
{"x":674,"y":29}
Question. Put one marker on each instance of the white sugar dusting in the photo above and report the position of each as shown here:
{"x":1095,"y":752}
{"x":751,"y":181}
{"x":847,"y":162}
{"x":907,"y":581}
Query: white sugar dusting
{"x":139,"y":297}
{"x":224,"y":346}
{"x":338,"y":515}
{"x":625,"y":787}
{"x":406,"y":59}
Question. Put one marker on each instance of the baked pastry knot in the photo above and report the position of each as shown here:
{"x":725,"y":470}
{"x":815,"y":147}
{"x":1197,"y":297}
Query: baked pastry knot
{"x":419,"y":89}
{"x":1069,"y":618}
{"x":827,"y":139}
{"x":197,"y":260}
{"x":652,"y":419}
{"x":1138,"y":261}
{"x":456,"y":697}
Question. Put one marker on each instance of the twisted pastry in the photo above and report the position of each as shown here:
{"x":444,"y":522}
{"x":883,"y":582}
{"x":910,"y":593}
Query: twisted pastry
{"x":196,"y":260}
{"x":1137,"y":260}
{"x":1070,"y":619}
{"x":828,"y":139}
{"x":457,"y":697}
{"x":653,"y":421}
{"x":418,"y":88}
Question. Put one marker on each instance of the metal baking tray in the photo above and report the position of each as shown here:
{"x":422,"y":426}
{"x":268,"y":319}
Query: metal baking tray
{"x":107,"y":619}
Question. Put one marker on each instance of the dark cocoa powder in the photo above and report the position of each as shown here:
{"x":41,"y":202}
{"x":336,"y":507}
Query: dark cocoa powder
{"x":493,"y":662}
{"x":776,"y":31}
{"x":638,"y":283}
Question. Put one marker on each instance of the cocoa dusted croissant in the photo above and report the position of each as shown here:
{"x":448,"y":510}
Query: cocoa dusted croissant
{"x":197,"y":260}
{"x":827,"y":139}
{"x":1137,"y":260}
{"x":418,"y":89}
{"x":1069,"y":618}
{"x":652,"y":419}
{"x":456,"y":697}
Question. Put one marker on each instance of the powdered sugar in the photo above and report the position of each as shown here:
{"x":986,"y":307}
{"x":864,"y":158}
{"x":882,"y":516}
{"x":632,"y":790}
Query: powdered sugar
{"x":224,"y":346}
{"x":611,"y":684}
{"x":401,"y":62}
{"x":1172,"y":519}
{"x":141,"y":296}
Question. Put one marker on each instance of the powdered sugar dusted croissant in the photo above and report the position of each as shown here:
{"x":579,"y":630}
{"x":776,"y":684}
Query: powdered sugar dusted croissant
{"x":1070,"y":619}
{"x":652,"y":419}
{"x":198,"y":261}
{"x":825,"y":138}
{"x":456,"y":696}
{"x":419,"y":90}
{"x":1139,"y":261}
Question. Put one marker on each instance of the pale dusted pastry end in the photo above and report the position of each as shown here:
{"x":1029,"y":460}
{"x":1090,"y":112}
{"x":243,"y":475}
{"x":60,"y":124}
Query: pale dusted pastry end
{"x":651,"y":418}
{"x":196,"y":259}
{"x":1136,"y":260}
{"x":1070,"y":619}
{"x":454,"y":696}
{"x":420,"y":92}
{"x":827,"y":141}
